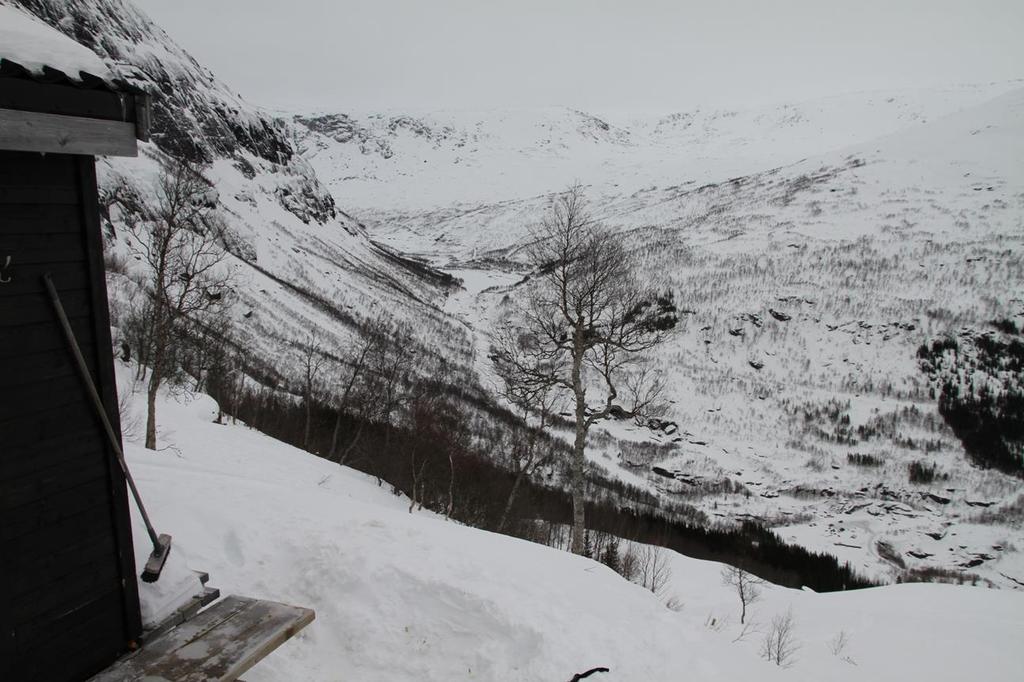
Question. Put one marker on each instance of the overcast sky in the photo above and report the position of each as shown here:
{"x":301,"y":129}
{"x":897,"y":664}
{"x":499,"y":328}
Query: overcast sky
{"x":592,"y":54}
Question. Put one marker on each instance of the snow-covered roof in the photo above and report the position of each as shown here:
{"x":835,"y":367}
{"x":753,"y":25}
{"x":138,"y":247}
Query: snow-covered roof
{"x":36,"y":47}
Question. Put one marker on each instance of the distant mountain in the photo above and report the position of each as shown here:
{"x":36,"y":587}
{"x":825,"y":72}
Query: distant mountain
{"x":408,"y":161}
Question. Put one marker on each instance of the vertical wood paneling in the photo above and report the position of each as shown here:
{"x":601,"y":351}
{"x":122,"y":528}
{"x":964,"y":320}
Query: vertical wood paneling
{"x":107,"y":387}
{"x":68,"y":591}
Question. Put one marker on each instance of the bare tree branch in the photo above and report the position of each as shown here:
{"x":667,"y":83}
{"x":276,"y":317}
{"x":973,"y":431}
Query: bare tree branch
{"x":179,"y":238}
{"x":583,"y":321}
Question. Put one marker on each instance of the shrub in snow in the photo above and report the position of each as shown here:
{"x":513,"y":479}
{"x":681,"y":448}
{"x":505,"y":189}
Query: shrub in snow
{"x":780,"y":645}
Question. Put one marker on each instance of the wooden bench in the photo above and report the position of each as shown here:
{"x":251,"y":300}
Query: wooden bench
{"x":220,"y":643}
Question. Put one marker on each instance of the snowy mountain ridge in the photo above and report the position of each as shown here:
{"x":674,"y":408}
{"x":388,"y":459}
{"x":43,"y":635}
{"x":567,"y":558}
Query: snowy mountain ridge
{"x":416,"y":161}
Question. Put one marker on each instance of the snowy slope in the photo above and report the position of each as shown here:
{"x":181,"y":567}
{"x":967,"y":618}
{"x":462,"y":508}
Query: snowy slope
{"x":413,"y":597}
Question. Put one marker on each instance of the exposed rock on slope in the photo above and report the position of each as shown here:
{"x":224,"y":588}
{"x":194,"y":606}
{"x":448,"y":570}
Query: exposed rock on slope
{"x":198,"y":117}
{"x":300,"y":264}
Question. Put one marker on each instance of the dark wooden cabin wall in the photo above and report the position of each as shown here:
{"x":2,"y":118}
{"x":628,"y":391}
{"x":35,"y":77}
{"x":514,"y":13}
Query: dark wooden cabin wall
{"x":68,"y":596}
{"x":20,"y":94}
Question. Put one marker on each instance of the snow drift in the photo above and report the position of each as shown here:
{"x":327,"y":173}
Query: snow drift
{"x":404,"y":596}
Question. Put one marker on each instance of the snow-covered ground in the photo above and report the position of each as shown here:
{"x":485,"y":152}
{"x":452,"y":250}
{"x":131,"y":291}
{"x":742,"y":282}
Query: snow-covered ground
{"x":402,"y":596}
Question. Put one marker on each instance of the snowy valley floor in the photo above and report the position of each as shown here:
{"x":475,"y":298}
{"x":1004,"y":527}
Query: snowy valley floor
{"x":402,"y":596}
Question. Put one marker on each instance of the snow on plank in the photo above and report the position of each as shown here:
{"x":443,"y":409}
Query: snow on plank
{"x":221,"y":643}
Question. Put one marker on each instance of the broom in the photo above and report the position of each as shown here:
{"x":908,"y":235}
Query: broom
{"x":161,"y":543}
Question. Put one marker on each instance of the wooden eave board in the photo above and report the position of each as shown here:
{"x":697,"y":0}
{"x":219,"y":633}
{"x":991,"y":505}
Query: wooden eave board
{"x":26,"y":94}
{"x":219,"y":644}
{"x":27,"y":131}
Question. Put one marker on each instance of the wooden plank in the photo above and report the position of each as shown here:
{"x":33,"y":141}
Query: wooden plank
{"x":35,"y":307}
{"x":79,"y":578}
{"x":39,"y":402}
{"x":84,"y":651}
{"x":53,"y":449}
{"x":220,"y":644}
{"x":27,"y":524}
{"x":44,"y":392}
{"x":12,"y":243}
{"x":37,"y":337}
{"x":88,"y":641}
{"x":41,"y":255}
{"x":38,"y":195}
{"x":43,"y":366}
{"x":59,"y":390}
{"x":57,"y":134}
{"x":39,"y":463}
{"x":26,"y":278}
{"x":70,"y":620}
{"x":18,"y":169}
{"x":64,"y":587}
{"x":37,"y":556}
{"x":28,"y":374}
{"x":22,"y":422}
{"x":74,"y":413}
{"x":42,"y":514}
{"x":50,"y":483}
{"x":74,"y":545}
{"x":76,"y":584}
{"x":33,"y":219}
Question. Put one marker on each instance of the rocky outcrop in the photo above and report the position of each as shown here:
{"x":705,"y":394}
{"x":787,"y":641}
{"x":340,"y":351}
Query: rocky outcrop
{"x":196,"y":117}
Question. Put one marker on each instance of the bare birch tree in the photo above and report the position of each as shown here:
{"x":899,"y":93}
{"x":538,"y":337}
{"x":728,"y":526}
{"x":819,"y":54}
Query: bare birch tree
{"x":351,"y":381}
{"x":179,"y":237}
{"x":653,"y":569}
{"x":747,"y":586}
{"x":311,"y":362}
{"x":585,"y":323}
{"x":536,"y":401}
{"x":389,"y":379}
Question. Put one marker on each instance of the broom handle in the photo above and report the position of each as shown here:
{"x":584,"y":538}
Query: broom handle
{"x":112,"y":436}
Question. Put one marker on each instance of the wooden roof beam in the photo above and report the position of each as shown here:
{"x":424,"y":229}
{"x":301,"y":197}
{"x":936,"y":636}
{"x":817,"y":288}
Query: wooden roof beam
{"x":55,"y":134}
